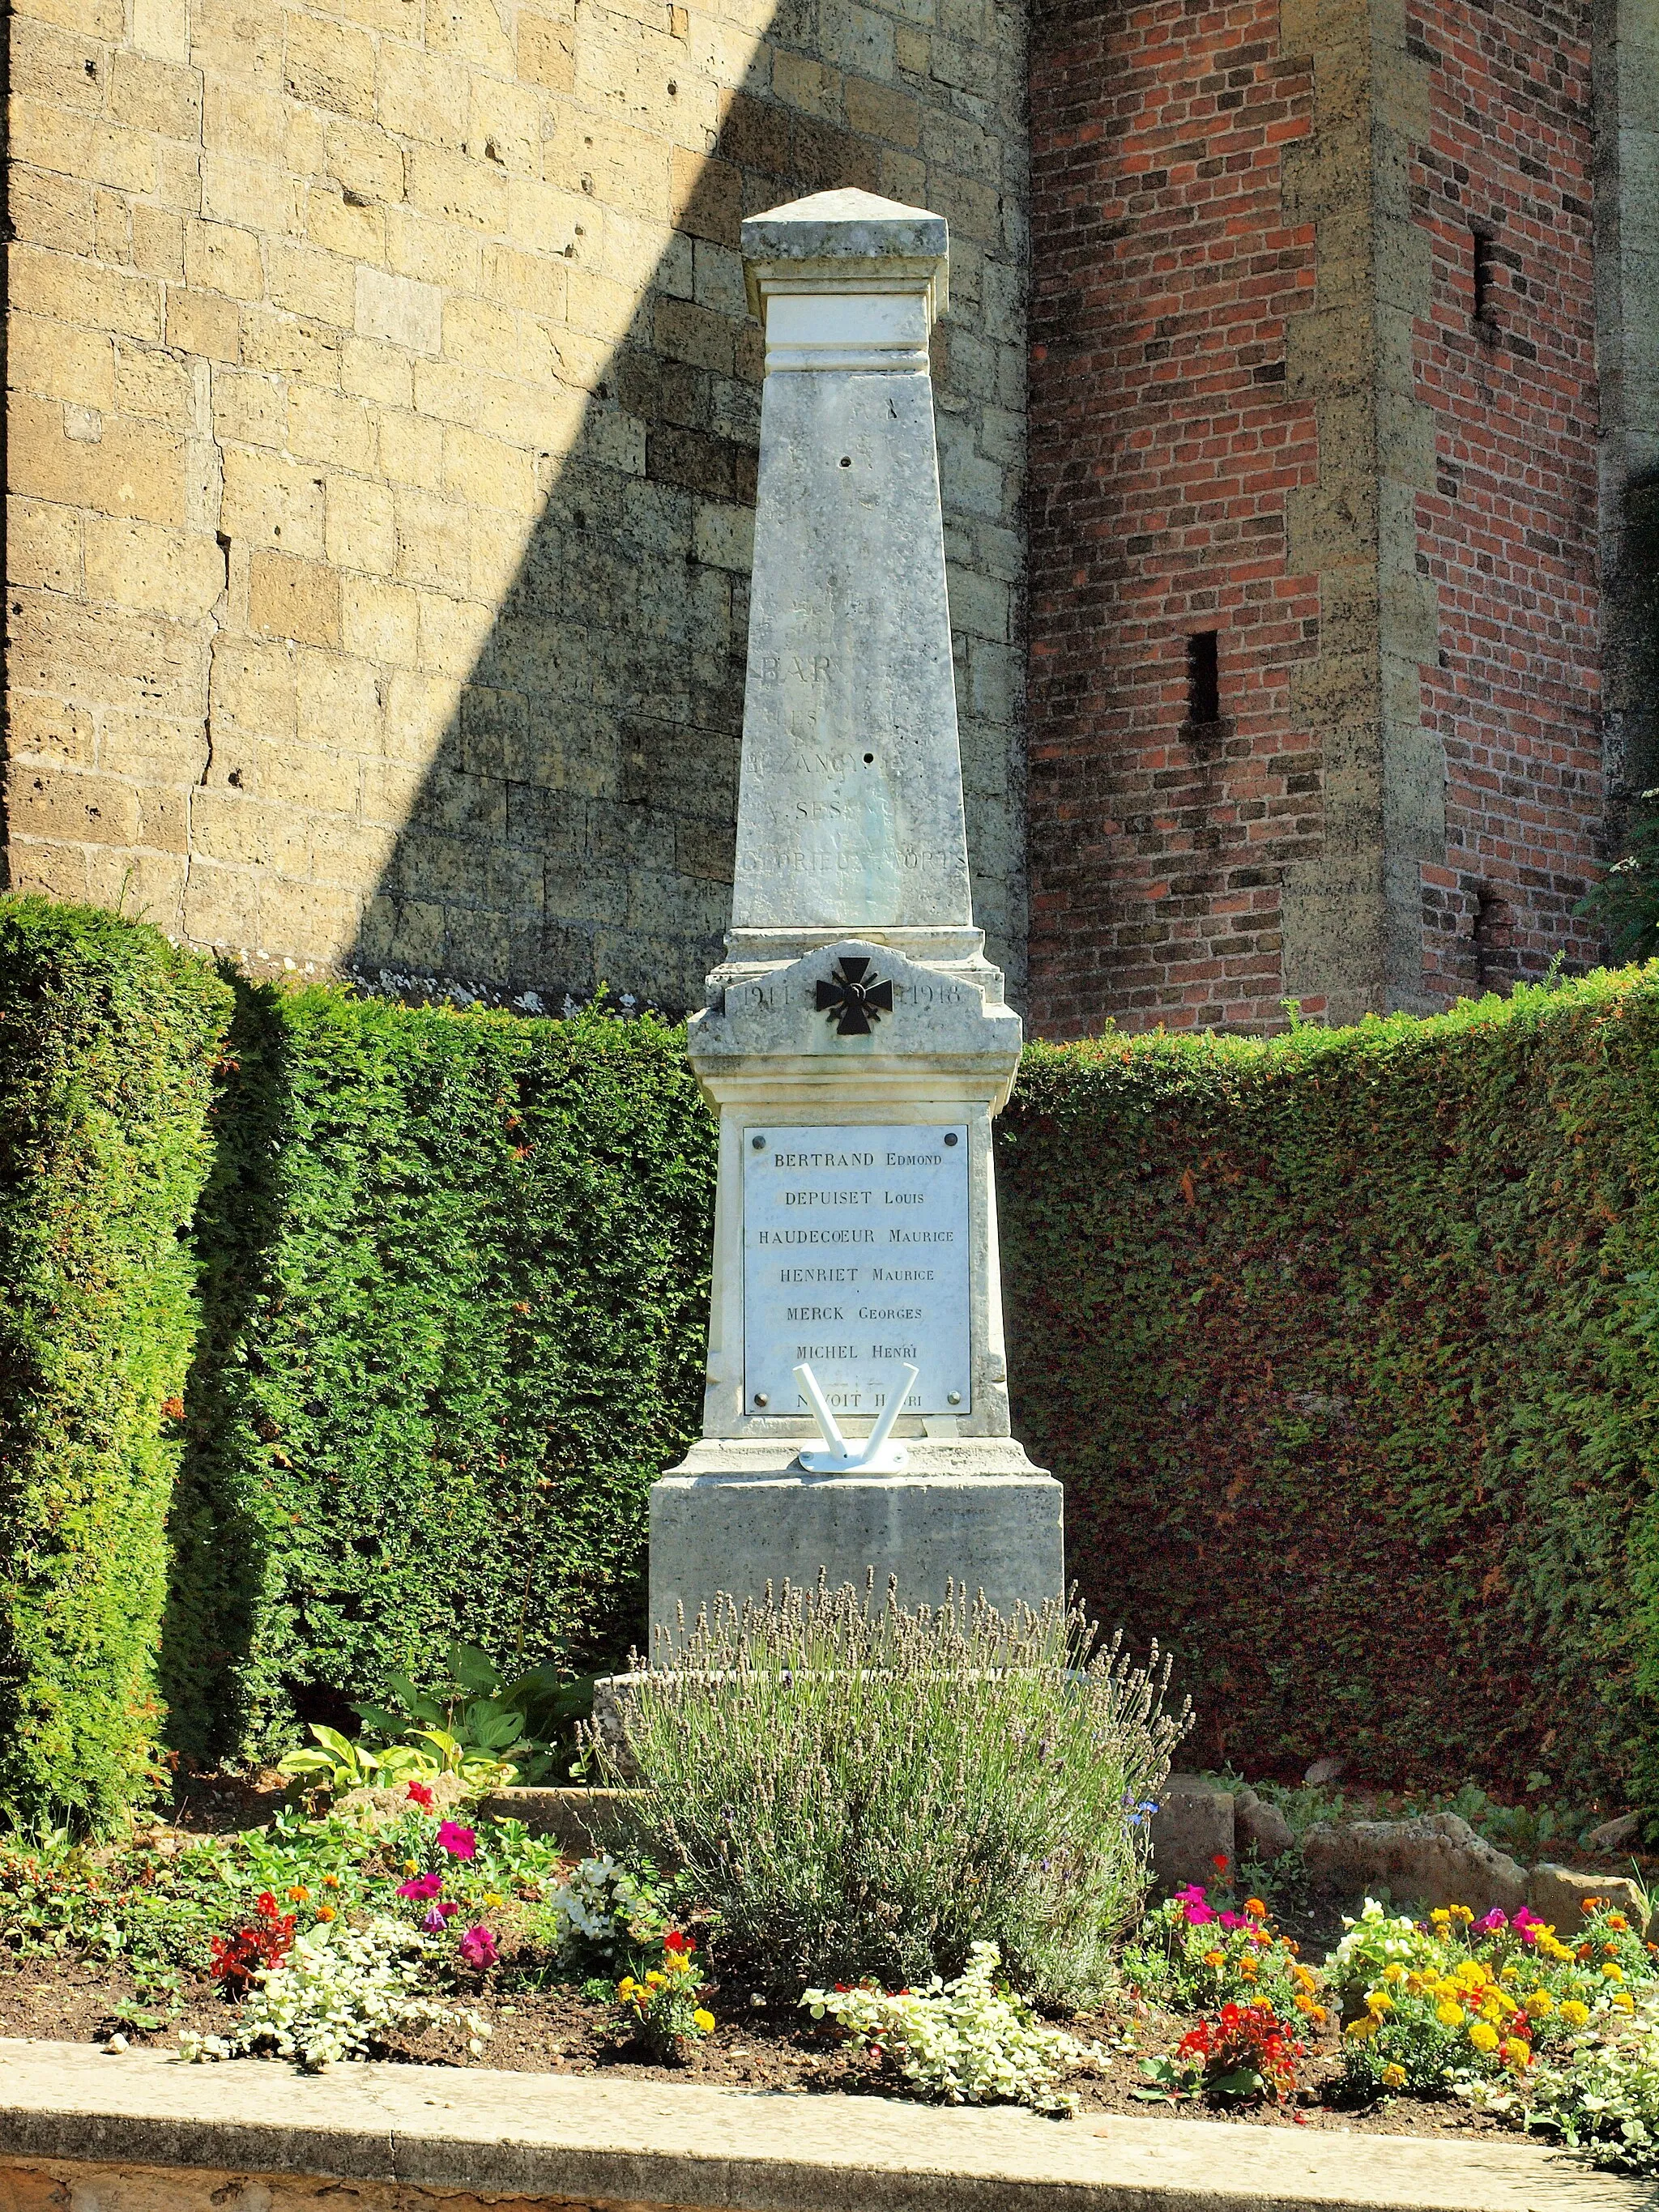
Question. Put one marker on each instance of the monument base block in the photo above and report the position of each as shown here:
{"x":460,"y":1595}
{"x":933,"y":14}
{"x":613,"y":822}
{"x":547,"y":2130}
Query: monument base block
{"x":736,"y":1514}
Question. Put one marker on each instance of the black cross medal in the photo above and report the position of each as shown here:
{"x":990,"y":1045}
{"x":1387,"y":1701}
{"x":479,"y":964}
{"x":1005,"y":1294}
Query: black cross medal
{"x":851,"y":1002}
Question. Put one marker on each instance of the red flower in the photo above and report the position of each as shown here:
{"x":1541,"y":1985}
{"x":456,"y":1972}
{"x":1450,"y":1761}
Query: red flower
{"x":1245,"y":2039}
{"x":253,"y":1950}
{"x":1221,"y":1862}
{"x":421,"y":1795}
{"x":676,"y":1940}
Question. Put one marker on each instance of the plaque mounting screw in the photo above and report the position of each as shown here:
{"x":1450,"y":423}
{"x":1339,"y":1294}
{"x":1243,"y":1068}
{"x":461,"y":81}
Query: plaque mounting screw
{"x":950,"y":1136}
{"x":761,"y":1398}
{"x":758,"y":1143}
{"x":953,"y":1397}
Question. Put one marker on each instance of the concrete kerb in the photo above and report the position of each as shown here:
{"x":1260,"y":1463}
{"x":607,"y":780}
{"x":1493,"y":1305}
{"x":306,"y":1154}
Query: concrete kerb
{"x":641,"y":2143}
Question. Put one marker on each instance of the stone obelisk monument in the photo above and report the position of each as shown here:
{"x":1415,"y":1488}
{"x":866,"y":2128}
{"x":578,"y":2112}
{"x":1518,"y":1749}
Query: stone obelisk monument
{"x":855,"y":1044}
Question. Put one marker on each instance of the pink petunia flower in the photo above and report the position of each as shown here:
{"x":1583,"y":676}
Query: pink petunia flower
{"x":1493,"y":1921}
{"x":1193,"y":1910}
{"x":461,"y":1843}
{"x":477,"y":1946}
{"x":423,"y":1885}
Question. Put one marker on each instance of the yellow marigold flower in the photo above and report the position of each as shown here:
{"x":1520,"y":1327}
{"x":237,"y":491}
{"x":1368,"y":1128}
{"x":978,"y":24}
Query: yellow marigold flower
{"x":1495,"y":2008}
{"x":1303,"y":2002}
{"x":1617,"y":1920}
{"x":1440,"y":1916}
{"x":1540,"y":2004}
{"x":1378,"y":2000}
{"x":626,"y":1987}
{"x":703,"y":2020}
{"x":1215,"y":1958}
{"x":1517,"y":2054}
{"x":1624,"y":2001}
{"x":1611,"y":1972}
{"x":1394,"y":2077}
{"x":494,"y":1898}
{"x":1363,"y":2028}
{"x":655,"y":1980}
{"x":1255,"y":1908}
{"x":1483,"y":2035}
{"x":1573,"y":2012}
{"x":1394,"y":1972}
{"x":1461,"y":1912}
{"x":411,"y":1866}
{"x":1448,"y":2014}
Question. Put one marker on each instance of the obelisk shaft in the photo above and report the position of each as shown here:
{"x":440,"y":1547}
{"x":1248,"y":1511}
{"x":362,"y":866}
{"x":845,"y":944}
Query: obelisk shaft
{"x":850,"y":815}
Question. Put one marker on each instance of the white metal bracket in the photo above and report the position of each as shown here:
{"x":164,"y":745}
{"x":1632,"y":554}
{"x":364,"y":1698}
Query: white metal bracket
{"x":872,"y":1455}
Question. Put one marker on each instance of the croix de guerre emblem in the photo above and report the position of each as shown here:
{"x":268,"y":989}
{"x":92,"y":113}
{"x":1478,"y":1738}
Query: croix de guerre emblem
{"x":852,"y":999}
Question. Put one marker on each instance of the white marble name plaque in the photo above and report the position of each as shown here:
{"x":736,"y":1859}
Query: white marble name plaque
{"x":855,"y":1263}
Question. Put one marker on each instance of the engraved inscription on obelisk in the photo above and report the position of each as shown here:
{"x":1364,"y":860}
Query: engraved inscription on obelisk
{"x":856,"y":1260}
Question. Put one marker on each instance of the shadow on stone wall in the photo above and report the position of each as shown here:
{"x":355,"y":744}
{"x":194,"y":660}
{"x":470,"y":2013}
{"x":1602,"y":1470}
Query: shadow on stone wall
{"x":576,"y":824}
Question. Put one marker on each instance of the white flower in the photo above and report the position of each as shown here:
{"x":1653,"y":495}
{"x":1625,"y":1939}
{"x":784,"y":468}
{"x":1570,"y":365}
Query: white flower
{"x":336,"y":1993}
{"x":963,"y":2040}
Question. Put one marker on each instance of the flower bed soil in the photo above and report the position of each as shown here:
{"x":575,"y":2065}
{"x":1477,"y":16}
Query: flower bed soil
{"x":557,"y":2031}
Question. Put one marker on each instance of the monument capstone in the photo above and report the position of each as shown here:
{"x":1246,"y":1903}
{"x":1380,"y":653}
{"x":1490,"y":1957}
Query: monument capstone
{"x":854,"y":1044}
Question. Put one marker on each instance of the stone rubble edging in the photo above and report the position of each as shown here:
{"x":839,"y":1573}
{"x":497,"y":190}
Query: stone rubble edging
{"x":646,"y":2143}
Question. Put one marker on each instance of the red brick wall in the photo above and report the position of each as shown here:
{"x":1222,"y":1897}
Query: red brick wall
{"x":1164,"y":446}
{"x":1510,"y":534}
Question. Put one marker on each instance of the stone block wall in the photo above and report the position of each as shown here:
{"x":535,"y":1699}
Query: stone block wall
{"x":384,"y":413}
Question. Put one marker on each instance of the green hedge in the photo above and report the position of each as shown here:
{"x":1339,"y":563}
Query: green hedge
{"x":1344,"y":1344}
{"x":455,"y":1272}
{"x":108,"y":1039}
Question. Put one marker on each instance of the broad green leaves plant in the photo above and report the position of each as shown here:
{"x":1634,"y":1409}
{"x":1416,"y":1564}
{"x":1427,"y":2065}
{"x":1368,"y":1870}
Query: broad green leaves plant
{"x":342,"y":1763}
{"x":473,"y":1724}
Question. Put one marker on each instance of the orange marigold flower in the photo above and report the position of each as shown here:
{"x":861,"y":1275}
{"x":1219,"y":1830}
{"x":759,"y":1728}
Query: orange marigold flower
{"x":326,"y":1912}
{"x":298,"y":1894}
{"x":1254,"y":1906}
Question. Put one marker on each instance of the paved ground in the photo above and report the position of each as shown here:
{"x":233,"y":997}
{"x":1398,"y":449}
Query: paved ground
{"x":550,"y":2136}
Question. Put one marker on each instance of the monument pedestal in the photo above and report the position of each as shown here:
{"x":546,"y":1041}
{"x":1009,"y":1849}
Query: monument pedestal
{"x":731,"y":1517}
{"x":855,"y":1044}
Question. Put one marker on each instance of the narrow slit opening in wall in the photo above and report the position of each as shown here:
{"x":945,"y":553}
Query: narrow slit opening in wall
{"x":1484,"y":245}
{"x":1203,"y":677}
